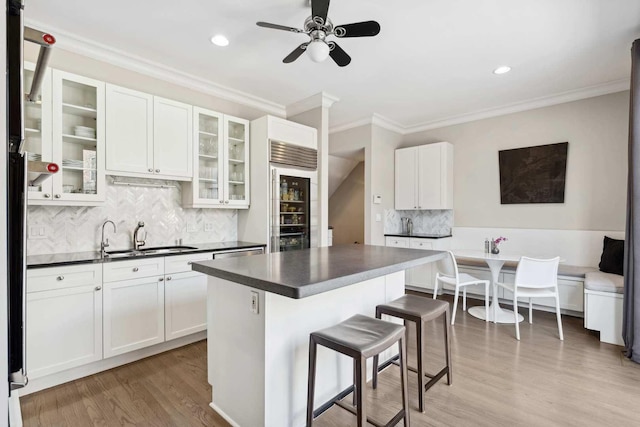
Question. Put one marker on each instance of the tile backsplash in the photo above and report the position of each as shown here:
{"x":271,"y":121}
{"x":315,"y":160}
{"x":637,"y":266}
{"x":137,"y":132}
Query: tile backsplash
{"x":78,"y":229}
{"x":424,"y":222}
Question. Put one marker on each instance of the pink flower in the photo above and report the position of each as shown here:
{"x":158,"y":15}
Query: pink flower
{"x":500,"y":240}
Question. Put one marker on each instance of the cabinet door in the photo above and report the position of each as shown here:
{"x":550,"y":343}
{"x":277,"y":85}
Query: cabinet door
{"x":208,"y":175}
{"x":133,"y":315}
{"x":397,"y":242}
{"x":37,"y":131}
{"x":172,"y":141}
{"x":78,"y":138}
{"x":185,"y":304}
{"x":236,"y":169}
{"x":423,"y":275}
{"x":406,"y":178}
{"x":64,"y":329}
{"x":430,"y":176}
{"x":129,"y":134}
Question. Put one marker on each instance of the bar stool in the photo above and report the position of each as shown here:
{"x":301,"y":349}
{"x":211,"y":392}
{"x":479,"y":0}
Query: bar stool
{"x":360,"y":337}
{"x":412,"y":308}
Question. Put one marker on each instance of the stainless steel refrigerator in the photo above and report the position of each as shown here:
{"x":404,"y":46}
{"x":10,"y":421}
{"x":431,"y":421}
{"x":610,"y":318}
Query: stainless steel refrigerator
{"x":17,"y":170}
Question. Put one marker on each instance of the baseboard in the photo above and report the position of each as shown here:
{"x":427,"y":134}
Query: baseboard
{"x":226,"y":417}
{"x":58,"y":378}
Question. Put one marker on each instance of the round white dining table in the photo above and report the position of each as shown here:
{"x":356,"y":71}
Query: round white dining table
{"x":495,"y":263}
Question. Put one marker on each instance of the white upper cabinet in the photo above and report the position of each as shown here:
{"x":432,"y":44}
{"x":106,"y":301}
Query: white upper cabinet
{"x":172,"y":142}
{"x":148,"y":136}
{"x":129,"y":131}
{"x":67,"y":128}
{"x":424,"y":177}
{"x":220,"y":162}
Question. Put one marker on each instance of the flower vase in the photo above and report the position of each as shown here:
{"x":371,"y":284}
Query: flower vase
{"x":494,"y":248}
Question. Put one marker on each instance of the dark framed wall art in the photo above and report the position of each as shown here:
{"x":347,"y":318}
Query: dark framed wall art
{"x":533,"y":174}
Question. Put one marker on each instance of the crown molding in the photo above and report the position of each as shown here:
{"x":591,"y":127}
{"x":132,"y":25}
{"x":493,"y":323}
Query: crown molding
{"x":82,"y":46}
{"x":321,"y":99}
{"x":531,"y":104}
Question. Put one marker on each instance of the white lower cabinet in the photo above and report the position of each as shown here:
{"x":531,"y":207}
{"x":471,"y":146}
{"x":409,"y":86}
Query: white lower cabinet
{"x":185,"y":304}
{"x":424,"y":275}
{"x":133,"y":314}
{"x":64,"y":329}
{"x":64,"y":318}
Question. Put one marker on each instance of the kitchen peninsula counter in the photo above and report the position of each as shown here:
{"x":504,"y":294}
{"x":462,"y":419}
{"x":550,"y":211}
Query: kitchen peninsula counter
{"x":300,"y":274}
{"x":261,"y":310}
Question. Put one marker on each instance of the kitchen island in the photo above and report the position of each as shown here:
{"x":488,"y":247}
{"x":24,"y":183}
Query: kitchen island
{"x":261,"y":309}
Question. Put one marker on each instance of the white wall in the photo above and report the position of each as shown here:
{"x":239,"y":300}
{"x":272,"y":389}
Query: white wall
{"x":595,"y":196}
{"x":4,"y":391}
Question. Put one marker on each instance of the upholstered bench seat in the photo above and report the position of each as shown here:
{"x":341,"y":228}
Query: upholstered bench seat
{"x":603,"y":295}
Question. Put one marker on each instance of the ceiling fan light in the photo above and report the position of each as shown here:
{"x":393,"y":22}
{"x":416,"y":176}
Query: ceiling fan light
{"x":318,"y":50}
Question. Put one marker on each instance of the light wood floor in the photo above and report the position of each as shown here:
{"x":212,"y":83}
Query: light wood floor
{"x":539,"y":381}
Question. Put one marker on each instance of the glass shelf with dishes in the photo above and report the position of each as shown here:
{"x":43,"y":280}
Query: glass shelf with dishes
{"x":78,"y":138}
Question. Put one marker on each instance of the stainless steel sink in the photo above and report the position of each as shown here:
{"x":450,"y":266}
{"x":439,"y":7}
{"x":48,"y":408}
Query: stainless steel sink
{"x":164,"y":249}
{"x":148,"y":251}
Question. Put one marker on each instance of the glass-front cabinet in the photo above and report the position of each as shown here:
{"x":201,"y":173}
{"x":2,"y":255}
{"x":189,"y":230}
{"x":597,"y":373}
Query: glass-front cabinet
{"x":67,"y":128}
{"x":37,"y":131}
{"x":221,"y":159}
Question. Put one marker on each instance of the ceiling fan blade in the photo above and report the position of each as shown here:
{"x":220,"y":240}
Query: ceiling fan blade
{"x":358,"y":29}
{"x":296,"y":53}
{"x":279,"y":27}
{"x":338,"y":55}
{"x":320,"y":9}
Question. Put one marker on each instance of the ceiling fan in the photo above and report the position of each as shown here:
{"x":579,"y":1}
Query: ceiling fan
{"x":318,"y":27}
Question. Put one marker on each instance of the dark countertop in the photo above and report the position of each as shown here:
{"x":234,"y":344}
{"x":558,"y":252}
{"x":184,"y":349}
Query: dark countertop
{"x":300,"y":274}
{"x":420,"y":236}
{"x":54,"y":260}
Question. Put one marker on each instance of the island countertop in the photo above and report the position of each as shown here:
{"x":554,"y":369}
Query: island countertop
{"x":300,"y":274}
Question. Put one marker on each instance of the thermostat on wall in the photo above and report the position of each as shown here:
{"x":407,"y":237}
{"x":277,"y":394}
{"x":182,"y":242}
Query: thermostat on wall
{"x":377,"y":200}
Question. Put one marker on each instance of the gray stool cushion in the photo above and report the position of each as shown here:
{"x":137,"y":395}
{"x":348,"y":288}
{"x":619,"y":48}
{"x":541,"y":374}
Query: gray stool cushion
{"x":361,"y":334}
{"x":415,"y":306}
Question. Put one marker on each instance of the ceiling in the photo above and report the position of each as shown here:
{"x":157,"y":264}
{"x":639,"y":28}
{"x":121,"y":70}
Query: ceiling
{"x":432,"y":60}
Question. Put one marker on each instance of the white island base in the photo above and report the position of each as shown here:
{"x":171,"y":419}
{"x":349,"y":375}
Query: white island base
{"x":257,"y":363}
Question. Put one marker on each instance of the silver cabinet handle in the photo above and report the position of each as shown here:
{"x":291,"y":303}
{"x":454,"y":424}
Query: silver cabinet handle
{"x":168,"y":277}
{"x":135,"y":269}
{"x":150,"y":169}
{"x":221,"y":201}
{"x":157,"y":170}
{"x":190,"y":262}
{"x":46,"y":195}
{"x":60,"y":278}
{"x":98,"y":288}
{"x":226,"y":201}
{"x":161,"y":279}
{"x":57,"y":196}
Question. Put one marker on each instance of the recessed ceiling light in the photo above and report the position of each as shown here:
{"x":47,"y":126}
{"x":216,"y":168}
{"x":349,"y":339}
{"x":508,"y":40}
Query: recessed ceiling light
{"x":502,"y":70}
{"x":220,"y":40}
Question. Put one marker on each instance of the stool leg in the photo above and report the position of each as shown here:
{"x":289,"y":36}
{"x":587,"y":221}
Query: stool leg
{"x":403,"y":380}
{"x":420,"y":367}
{"x":375,"y":360}
{"x":447,"y":345}
{"x":361,"y":381}
{"x":311,"y":380}
{"x":355,"y":382}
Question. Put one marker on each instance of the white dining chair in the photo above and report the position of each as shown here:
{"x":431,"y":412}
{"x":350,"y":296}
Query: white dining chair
{"x":535,"y":278}
{"x":448,"y":274}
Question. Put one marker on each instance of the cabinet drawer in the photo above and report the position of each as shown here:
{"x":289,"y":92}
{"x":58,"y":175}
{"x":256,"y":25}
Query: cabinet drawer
{"x":46,"y":279}
{"x":182,"y":263}
{"x":420,"y":244}
{"x":397,"y":242}
{"x":133,"y":269}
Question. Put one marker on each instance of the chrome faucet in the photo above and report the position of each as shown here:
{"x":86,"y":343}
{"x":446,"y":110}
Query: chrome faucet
{"x":105,"y":243}
{"x":137,"y":242}
{"x":409,"y":226}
